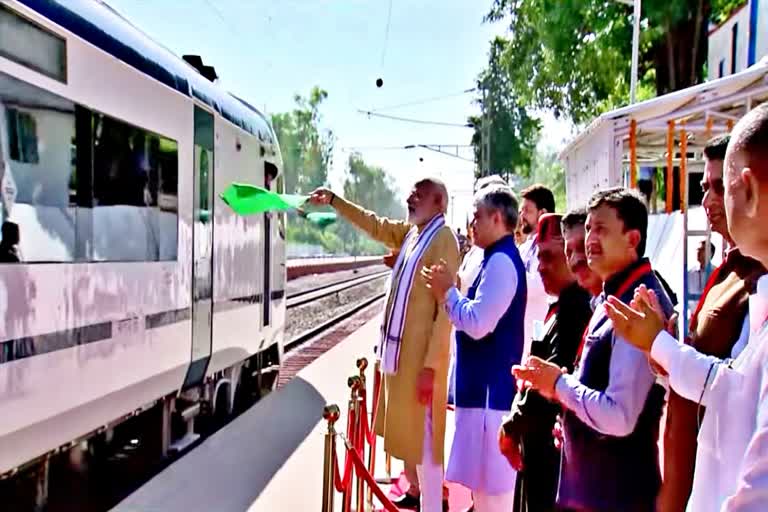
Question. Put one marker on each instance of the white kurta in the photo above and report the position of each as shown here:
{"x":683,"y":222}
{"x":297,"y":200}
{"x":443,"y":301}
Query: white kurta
{"x":732,"y":457}
{"x":538,"y":301}
{"x":475,"y":460}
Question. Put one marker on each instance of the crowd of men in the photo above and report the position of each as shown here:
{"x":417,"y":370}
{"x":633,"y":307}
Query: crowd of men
{"x":562,"y":350}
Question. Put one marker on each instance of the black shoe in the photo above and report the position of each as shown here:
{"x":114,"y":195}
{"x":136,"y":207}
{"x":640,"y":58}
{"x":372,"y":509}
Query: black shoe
{"x":408,"y":502}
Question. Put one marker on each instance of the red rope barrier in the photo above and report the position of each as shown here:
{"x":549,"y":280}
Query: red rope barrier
{"x":363,"y":472}
{"x":368,"y":429}
{"x":342,"y":484}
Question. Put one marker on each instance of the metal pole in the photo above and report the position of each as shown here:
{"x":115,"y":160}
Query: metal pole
{"x":635,"y":52}
{"x":331,"y":414}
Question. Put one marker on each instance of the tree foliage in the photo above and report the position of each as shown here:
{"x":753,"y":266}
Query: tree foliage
{"x":574,"y":57}
{"x":373,"y":188}
{"x":513,"y":133}
{"x":306,"y":149}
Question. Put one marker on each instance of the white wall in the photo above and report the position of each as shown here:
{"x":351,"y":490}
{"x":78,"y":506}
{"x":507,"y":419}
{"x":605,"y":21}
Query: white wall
{"x":762,"y":30}
{"x":588,"y":167}
{"x":720,"y":41}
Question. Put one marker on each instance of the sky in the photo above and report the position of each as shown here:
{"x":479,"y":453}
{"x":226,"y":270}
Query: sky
{"x":268,"y":51}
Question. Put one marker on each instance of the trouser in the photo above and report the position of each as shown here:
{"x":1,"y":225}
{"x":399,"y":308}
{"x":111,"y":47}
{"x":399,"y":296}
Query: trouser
{"x":430,"y":473}
{"x":498,"y":503}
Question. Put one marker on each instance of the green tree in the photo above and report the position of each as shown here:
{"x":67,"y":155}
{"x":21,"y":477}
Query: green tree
{"x":547,"y":170}
{"x":513,"y":133}
{"x":305,"y":146}
{"x":574,"y":57}
{"x":373,"y":188}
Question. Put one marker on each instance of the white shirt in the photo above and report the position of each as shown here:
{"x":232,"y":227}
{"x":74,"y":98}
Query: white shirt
{"x":537,"y":305}
{"x":732,"y":457}
{"x":470,"y":268}
{"x":478,"y":317}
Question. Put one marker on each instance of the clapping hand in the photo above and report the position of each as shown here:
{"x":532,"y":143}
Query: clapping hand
{"x":439,"y":280}
{"x":540,"y":375}
{"x":641,"y":321}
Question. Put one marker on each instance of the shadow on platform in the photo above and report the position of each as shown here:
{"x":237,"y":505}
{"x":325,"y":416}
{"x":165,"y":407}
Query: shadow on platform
{"x":228,"y":471}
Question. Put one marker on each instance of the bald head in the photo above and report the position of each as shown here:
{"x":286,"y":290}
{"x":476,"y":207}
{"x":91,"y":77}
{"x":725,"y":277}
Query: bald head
{"x":746,"y":183}
{"x":429,"y":197}
{"x":750,"y":137}
{"x":487,"y":181}
{"x":438,"y":188}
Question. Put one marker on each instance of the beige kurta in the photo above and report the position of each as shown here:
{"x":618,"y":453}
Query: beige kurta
{"x":425,"y":343}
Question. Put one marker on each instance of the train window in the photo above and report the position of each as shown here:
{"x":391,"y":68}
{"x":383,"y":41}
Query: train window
{"x":36,"y":133}
{"x":83,"y":186}
{"x":135,"y":186}
{"x":31,"y":45}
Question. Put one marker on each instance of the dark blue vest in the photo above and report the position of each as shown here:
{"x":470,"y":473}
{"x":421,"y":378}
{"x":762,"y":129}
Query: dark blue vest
{"x":606,"y":473}
{"x":483,"y":367}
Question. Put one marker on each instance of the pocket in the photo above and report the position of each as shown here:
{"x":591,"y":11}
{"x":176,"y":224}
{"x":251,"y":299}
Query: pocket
{"x":726,"y":388}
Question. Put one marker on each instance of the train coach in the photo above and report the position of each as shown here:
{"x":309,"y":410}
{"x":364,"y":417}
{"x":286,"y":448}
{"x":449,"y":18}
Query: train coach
{"x":126,"y":284}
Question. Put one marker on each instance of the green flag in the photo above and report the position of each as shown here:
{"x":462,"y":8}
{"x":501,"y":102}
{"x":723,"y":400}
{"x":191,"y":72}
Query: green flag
{"x":321,"y":219}
{"x":249,"y":200}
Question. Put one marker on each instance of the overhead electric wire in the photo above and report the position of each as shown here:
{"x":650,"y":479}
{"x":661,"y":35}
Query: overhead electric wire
{"x":386,"y":34}
{"x":402,"y":148}
{"x":424,"y":100}
{"x":417,"y":121}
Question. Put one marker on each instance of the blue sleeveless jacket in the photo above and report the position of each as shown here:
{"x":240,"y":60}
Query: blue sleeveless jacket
{"x":606,"y":473}
{"x":482,"y":375}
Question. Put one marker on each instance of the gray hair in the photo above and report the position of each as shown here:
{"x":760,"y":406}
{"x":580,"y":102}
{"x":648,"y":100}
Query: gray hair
{"x":438,"y":186}
{"x":487,"y":181}
{"x":501,"y":199}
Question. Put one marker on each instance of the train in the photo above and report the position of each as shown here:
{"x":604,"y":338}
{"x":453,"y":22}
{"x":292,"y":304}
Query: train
{"x":126,"y":284}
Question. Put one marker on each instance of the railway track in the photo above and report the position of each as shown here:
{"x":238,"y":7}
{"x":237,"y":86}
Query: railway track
{"x":309,"y":334}
{"x":306,"y":296}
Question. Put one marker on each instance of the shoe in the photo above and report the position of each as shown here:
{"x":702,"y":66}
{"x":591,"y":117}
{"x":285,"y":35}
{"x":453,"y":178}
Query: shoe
{"x":408,"y":502}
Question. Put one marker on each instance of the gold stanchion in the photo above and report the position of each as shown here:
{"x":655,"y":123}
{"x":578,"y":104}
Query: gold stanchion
{"x":331,"y":414}
{"x":357,"y":385}
{"x":354,"y":384}
{"x":362,"y":365}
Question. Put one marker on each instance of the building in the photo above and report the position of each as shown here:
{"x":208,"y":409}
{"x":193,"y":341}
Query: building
{"x":740,"y":41}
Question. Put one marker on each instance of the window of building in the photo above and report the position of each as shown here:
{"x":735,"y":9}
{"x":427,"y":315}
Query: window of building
{"x":22,"y":136}
{"x":83,"y":186}
{"x":721,"y":69}
{"x":734,"y":43}
{"x":31,"y":45}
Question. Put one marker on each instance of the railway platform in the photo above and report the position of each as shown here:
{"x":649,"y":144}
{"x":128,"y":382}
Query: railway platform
{"x":299,"y":267}
{"x":270,"y":458}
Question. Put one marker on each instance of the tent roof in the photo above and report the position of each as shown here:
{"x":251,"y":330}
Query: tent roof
{"x":698,"y":98}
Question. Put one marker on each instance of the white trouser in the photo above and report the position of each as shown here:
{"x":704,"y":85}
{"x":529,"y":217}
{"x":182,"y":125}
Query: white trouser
{"x":430,"y":474}
{"x":498,"y":503}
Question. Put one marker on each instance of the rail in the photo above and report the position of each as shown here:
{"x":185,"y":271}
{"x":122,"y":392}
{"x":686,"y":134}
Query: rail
{"x":328,"y":324}
{"x":306,"y":296}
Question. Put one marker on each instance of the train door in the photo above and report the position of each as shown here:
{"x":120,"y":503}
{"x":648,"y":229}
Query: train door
{"x":267,"y":254}
{"x":202,"y":248}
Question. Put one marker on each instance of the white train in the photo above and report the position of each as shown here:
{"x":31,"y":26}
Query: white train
{"x":137,"y":287}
